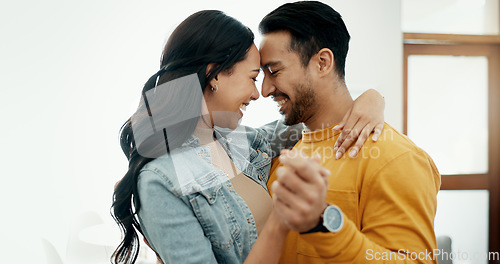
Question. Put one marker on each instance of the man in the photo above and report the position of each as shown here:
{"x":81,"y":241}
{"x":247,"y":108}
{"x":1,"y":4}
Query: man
{"x":377,"y":208}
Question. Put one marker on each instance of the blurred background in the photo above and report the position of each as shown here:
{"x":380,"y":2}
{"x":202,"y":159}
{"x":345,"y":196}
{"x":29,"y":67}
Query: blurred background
{"x":71,"y":73}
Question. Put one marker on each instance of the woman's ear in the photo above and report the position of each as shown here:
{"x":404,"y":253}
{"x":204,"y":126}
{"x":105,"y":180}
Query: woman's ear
{"x":209,"y":68}
{"x":214,"y":80}
{"x":326,"y":62}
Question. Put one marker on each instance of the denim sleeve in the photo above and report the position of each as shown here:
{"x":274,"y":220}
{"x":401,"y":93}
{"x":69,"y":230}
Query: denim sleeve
{"x":280,"y":136}
{"x":169,"y":224}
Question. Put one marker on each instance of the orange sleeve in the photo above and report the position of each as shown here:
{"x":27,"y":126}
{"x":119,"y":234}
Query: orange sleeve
{"x":398,"y":205}
{"x":275,"y":163}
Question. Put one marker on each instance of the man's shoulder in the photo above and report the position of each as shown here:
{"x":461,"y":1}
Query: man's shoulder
{"x":393,"y":149}
{"x":393,"y":143}
{"x":397,"y":150}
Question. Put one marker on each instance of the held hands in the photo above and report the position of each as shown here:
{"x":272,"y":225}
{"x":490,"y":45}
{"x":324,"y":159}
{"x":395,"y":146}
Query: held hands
{"x":365,"y":116}
{"x":300,"y":190}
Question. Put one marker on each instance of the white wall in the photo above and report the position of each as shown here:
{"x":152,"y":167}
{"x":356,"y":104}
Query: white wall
{"x":475,"y":17}
{"x":71,"y":73}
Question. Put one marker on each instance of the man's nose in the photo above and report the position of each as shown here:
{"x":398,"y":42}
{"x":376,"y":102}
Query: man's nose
{"x":268,"y":87}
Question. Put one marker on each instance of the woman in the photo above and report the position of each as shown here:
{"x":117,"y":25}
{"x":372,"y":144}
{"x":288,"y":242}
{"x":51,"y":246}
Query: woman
{"x":197,"y":180}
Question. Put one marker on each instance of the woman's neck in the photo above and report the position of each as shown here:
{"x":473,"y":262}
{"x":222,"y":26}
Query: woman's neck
{"x":204,"y":132}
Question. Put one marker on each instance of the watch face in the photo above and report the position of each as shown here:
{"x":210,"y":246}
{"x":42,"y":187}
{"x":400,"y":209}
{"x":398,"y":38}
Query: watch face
{"x":333,"y":219}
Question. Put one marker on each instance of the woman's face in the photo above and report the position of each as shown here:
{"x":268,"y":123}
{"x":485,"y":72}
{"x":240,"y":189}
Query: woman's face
{"x":235,"y":90}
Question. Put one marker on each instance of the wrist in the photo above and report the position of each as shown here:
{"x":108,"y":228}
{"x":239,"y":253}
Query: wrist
{"x":318,"y":226}
{"x":282,"y":229}
{"x":276,"y":225}
{"x":331,"y":220}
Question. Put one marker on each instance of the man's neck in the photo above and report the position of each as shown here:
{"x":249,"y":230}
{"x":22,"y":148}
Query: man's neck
{"x":332,"y":104}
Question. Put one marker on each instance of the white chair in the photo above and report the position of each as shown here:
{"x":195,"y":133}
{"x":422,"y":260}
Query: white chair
{"x":82,"y":252}
{"x":19,"y":248}
{"x":51,"y":254}
{"x":444,"y":245}
{"x":27,"y":247}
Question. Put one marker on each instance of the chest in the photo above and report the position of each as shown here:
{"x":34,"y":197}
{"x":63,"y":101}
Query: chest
{"x":345,"y":181}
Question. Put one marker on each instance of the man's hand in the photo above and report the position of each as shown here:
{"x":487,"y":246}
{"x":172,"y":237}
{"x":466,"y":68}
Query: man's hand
{"x":300,"y":190}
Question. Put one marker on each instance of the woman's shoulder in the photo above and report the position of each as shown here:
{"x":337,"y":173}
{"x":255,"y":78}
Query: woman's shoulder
{"x":242,"y":139}
{"x":158,"y":173}
{"x":182,"y":171}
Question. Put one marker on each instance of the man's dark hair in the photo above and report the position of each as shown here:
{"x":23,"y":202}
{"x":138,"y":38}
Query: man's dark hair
{"x":312,"y":26}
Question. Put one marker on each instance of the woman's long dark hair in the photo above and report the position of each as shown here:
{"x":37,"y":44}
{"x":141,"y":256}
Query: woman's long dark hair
{"x":206,"y":37}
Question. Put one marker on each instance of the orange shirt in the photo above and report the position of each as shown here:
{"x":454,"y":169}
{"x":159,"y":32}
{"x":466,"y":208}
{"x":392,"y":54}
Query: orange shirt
{"x":388,"y":199}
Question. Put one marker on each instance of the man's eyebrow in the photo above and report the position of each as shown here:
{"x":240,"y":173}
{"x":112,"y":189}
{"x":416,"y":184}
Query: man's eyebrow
{"x":256,"y":70}
{"x":270,"y":64}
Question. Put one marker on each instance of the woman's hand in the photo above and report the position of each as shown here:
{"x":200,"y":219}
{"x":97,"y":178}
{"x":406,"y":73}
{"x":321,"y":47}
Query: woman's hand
{"x":300,"y":190}
{"x":365,"y":116}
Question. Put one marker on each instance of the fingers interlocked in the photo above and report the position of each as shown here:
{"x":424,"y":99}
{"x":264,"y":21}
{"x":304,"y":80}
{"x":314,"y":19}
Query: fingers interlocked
{"x":300,"y":190}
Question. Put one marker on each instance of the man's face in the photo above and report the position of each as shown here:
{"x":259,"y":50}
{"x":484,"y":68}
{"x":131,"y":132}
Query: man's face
{"x":285,"y":79}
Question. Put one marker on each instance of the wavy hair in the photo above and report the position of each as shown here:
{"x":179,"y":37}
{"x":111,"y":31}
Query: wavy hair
{"x":206,"y":37}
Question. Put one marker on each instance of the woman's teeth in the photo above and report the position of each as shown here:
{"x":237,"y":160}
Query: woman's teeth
{"x":243,"y":107}
{"x":282,"y":102}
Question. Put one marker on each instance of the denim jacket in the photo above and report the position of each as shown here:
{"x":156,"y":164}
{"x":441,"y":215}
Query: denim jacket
{"x":190,"y":212}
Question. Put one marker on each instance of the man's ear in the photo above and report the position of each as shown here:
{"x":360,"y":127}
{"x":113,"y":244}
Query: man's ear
{"x":325,"y":62}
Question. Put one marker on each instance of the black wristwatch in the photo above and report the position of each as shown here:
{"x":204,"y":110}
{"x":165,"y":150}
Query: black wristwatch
{"x":331,"y":220}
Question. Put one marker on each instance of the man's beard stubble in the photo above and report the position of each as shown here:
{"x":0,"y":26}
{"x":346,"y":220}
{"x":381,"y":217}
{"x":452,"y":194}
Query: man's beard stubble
{"x":305,"y":99}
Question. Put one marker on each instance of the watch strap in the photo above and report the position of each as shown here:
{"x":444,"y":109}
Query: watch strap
{"x":319,"y":227}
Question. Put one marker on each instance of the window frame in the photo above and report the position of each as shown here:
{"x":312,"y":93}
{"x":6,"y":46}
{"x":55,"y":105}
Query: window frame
{"x":467,"y":45}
